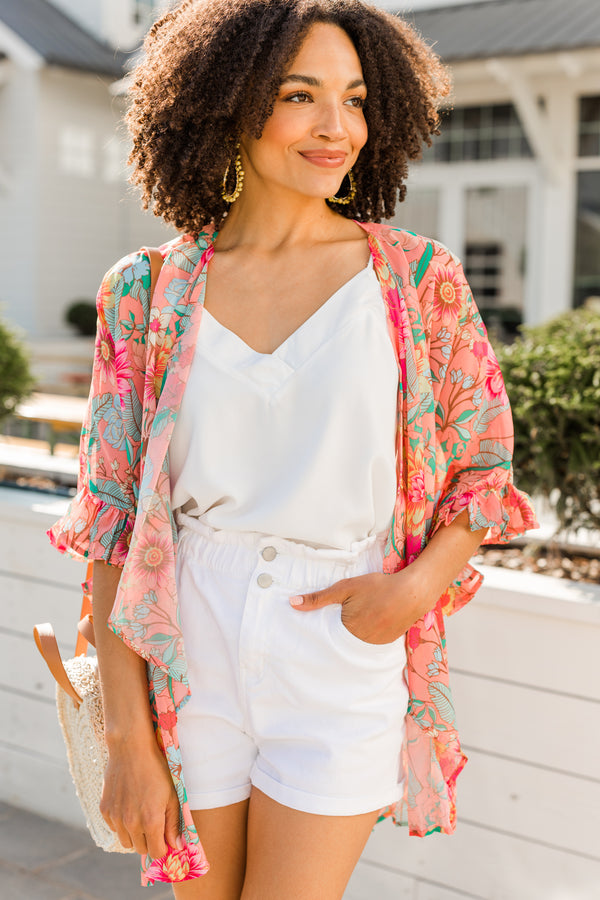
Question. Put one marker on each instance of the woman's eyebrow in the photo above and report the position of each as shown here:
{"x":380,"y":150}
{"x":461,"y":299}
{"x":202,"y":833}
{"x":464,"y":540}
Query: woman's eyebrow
{"x":316,"y":82}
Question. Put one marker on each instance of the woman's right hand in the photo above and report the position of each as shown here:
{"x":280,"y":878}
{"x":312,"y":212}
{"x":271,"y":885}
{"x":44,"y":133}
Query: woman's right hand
{"x":139,"y":801}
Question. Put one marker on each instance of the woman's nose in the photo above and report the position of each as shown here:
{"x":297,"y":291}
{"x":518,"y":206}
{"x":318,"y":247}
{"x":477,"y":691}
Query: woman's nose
{"x":330,"y":123}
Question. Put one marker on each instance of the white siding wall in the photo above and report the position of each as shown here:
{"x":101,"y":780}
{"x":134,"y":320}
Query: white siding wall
{"x":60,"y":232}
{"x":527,"y":687}
{"x":93,"y":219}
{"x":19,"y":212}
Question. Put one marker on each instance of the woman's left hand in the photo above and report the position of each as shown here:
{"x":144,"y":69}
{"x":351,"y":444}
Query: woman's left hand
{"x":376,"y":608}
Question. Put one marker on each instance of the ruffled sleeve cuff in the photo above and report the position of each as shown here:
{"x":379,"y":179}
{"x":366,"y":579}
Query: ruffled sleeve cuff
{"x":93,"y":529}
{"x":505,"y":511}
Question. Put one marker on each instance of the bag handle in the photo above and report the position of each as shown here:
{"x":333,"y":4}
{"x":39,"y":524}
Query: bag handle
{"x":45,"y":641}
{"x":85,"y":628}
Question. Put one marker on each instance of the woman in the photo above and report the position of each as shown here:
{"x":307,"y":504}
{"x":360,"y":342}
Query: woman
{"x":288,"y":460}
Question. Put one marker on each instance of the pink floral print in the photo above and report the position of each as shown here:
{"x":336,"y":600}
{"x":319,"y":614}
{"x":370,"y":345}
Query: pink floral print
{"x":178,"y":865}
{"x":123,"y":370}
{"x":494,"y":380}
{"x":151,"y":561}
{"x":447,"y":293}
{"x":454,"y":446}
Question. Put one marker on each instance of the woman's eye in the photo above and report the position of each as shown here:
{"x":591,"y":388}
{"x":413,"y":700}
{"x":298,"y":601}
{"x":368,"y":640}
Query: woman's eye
{"x":357,"y":102}
{"x":298,"y":97}
{"x":305,"y":97}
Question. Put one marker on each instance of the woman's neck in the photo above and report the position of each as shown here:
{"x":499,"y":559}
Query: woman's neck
{"x":272,"y":222}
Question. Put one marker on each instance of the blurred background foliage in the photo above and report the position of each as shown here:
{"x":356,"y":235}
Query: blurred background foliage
{"x":552,"y":374}
{"x":16,"y":380}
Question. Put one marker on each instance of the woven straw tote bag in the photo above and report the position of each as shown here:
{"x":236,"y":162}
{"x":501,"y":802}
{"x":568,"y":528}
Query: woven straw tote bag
{"x":81,"y":718}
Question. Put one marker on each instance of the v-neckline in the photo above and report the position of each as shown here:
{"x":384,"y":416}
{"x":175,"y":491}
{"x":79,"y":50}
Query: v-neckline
{"x":303,"y":326}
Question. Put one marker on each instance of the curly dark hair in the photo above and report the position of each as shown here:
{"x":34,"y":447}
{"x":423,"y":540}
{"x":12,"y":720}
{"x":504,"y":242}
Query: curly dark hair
{"x":212,"y":70}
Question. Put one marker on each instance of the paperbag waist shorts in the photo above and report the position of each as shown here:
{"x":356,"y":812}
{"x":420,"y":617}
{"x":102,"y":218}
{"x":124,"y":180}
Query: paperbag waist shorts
{"x":288,"y":701}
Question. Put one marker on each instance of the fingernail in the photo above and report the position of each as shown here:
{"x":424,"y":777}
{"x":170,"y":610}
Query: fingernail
{"x":179,"y":842}
{"x":297,"y":601}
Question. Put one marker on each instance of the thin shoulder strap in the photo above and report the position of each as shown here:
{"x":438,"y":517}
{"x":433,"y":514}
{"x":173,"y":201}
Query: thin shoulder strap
{"x":156,"y":262}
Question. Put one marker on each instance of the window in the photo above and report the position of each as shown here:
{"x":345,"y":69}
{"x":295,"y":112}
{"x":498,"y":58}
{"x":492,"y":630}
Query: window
{"x":589,"y":126}
{"x":495,"y":254}
{"x":587,"y":253}
{"x":483,"y":268}
{"x":479,"y":132}
{"x":76,"y":151}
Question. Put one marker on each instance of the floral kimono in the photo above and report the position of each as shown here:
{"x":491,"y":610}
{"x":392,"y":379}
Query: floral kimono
{"x":453,"y":453}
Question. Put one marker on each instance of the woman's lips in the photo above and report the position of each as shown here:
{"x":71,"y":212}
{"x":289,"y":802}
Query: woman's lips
{"x":324,"y":159}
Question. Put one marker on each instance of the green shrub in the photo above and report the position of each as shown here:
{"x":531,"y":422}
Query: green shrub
{"x":552,"y":375}
{"x":16,"y":381}
{"x":82,"y":315}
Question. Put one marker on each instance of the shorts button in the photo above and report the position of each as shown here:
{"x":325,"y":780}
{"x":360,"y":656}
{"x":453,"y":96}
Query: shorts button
{"x":269,"y":554}
{"x":264,"y":580}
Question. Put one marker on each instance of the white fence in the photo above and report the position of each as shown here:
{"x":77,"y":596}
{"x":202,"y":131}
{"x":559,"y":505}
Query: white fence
{"x":526,"y":662}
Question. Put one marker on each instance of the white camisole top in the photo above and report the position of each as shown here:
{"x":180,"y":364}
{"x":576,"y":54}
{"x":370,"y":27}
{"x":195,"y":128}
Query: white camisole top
{"x":299,"y":443}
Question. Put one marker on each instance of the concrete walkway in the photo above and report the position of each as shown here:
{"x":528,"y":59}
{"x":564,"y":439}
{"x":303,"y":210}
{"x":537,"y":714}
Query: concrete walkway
{"x":44,"y":860}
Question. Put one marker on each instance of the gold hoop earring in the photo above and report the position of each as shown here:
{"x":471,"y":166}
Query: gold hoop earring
{"x":343,"y":201}
{"x":239,"y":179}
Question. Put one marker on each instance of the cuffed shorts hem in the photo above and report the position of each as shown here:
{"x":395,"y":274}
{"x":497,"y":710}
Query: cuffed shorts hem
{"x":323,"y":806}
{"x":216,"y":799}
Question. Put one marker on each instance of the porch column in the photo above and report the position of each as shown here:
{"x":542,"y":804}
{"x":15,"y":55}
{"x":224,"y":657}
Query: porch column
{"x":551,"y":129}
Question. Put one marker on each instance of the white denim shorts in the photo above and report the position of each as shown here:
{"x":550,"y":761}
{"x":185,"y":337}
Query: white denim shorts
{"x":288,"y":701}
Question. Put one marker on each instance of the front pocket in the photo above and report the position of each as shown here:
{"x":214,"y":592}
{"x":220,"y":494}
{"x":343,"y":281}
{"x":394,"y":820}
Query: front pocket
{"x":340,"y":632}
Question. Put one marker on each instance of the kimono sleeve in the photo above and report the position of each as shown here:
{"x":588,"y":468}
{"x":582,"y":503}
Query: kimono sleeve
{"x":99,"y":520}
{"x":474,"y":428}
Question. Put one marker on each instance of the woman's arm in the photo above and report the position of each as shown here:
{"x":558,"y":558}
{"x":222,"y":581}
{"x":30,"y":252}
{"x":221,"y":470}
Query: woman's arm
{"x":378,"y":608}
{"x":438,"y":564}
{"x":139,"y":801}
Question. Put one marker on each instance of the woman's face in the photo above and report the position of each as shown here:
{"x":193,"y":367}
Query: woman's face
{"x":317,"y":128}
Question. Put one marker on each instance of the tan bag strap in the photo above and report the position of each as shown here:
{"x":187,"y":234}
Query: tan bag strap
{"x":46,"y":643}
{"x":85,"y":629}
{"x":156,"y":262}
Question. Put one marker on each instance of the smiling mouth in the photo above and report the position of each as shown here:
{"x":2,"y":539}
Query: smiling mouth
{"x":324,"y":158}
